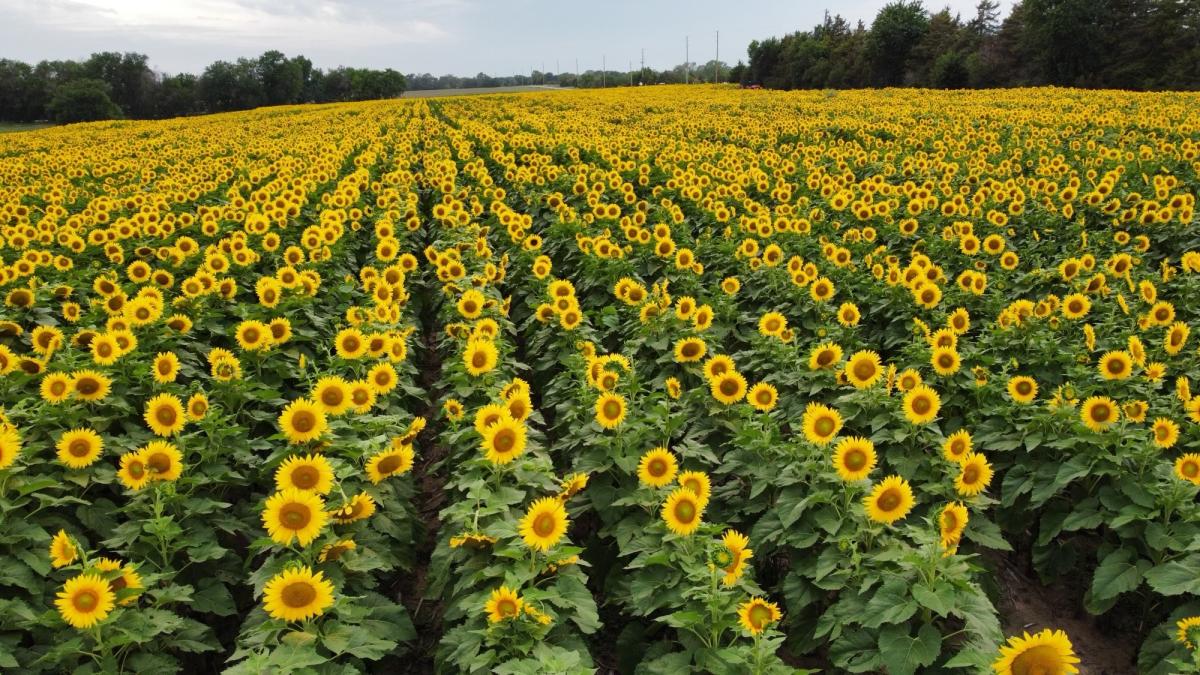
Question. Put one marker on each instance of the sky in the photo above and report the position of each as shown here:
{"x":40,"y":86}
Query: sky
{"x":461,"y":37}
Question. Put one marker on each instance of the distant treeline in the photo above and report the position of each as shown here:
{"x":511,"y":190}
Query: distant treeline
{"x":111,"y":85}
{"x":689,"y":72}
{"x":1124,"y":44}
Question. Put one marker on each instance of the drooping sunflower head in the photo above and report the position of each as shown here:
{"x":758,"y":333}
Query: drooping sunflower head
{"x":62,"y":550}
{"x":657,"y":468}
{"x":890,"y":500}
{"x":952,"y":521}
{"x":1047,"y":652}
{"x":297,"y":594}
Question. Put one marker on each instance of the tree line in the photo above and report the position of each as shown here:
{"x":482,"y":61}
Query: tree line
{"x":684,"y":72}
{"x":1121,"y":44}
{"x":111,"y":85}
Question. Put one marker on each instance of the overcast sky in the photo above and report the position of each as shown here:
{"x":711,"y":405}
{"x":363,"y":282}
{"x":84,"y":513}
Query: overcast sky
{"x":438,"y":36}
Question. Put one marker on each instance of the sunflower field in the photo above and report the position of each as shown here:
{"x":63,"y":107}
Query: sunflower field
{"x":675,"y":379}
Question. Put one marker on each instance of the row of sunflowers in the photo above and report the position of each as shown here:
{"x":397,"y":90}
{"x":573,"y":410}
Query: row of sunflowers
{"x":648,"y":381}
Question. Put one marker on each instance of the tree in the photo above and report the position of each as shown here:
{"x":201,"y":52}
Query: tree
{"x":177,"y":96}
{"x":897,"y":28}
{"x":82,"y":100}
{"x":281,"y":80}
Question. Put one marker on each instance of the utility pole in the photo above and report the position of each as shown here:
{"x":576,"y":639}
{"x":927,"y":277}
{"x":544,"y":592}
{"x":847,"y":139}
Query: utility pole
{"x":687,"y":70}
{"x":642,"y":70}
{"x":717,"y":63}
{"x":603,"y":70}
{"x":631,"y":73}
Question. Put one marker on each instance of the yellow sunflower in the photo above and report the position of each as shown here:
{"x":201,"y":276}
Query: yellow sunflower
{"x":544,"y":524}
{"x":480,"y":356}
{"x":383,"y":378}
{"x":732,"y":561}
{"x":62,"y":550}
{"x":921,"y":404}
{"x":90,"y":385}
{"x":395,"y":461}
{"x":126,"y":585}
{"x":504,"y":440}
{"x":302,"y":421}
{"x":682,"y":511}
{"x":610,"y":410}
{"x":55,"y":388}
{"x":1099,"y":412}
{"x":657,"y":468}
{"x":1184,"y":630}
{"x":305,"y":472}
{"x":957,"y":445}
{"x":332,"y":395}
{"x":79,"y":448}
{"x":1022,"y":388}
{"x":728,"y":388}
{"x":335,"y":551}
{"x":503,"y":604}
{"x":848,"y":314}
{"x":197,"y":407}
{"x":825,"y":356}
{"x":297,"y":594}
{"x":974,"y":475}
{"x":294,"y":514}
{"x":166,"y":367}
{"x":763,"y":396}
{"x":952,"y":521}
{"x":698,"y":483}
{"x":10,"y":446}
{"x":85,"y":600}
{"x":350,"y":343}
{"x":854,"y":458}
{"x":164,"y":415}
{"x":690,"y":350}
{"x":1187,"y":468}
{"x":133,"y":472}
{"x":1048,"y":652}
{"x":821,"y":423}
{"x":253,"y":335}
{"x":105,"y":350}
{"x":864,"y":369}
{"x":360,"y":506}
{"x":718,"y":365}
{"x":163,"y":460}
{"x":889,"y":501}
{"x":1116,"y":365}
{"x":756,"y":614}
{"x":945,"y":360}
{"x":1166,"y":432}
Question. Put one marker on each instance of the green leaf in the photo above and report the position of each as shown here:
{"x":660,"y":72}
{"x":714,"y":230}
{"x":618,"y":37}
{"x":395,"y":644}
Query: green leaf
{"x":1120,"y":572}
{"x":1176,"y":577}
{"x":890,"y":604}
{"x":940,"y":599}
{"x":903,"y":654}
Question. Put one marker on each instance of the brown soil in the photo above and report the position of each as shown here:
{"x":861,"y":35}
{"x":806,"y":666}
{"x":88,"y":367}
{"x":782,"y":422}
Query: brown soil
{"x":1026,"y":605}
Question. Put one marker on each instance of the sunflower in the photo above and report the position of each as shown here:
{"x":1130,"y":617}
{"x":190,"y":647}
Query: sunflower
{"x":335,"y":551}
{"x":821,"y":423}
{"x":297,"y":594}
{"x":294,"y":514}
{"x":164,"y":415}
{"x":854,"y":458}
{"x":133,"y":472}
{"x":728,"y":388}
{"x":610,"y":410}
{"x":503,"y":604}
{"x":689,"y":350}
{"x":763,"y":396}
{"x":951,"y":523}
{"x":85,"y":600}
{"x":10,"y":446}
{"x":848,"y":314}
{"x":166,"y":367}
{"x":305,"y":472}
{"x":79,"y":448}
{"x":1116,"y":365}
{"x":756,"y":614}
{"x":1187,"y":468}
{"x":504,"y":440}
{"x":302,"y":421}
{"x":350,"y":343}
{"x":657,"y":468}
{"x":921,"y":404}
{"x":825,"y":356}
{"x":90,"y":385}
{"x":698,"y":483}
{"x":1076,"y":306}
{"x":105,"y":350}
{"x":126,"y":584}
{"x":544,"y":524}
{"x":772,"y":324}
{"x":1022,"y":388}
{"x":55,"y":387}
{"x":362,"y":396}
{"x":62,"y":550}
{"x":957,"y":445}
{"x":736,"y":553}
{"x":383,"y":378}
{"x":1099,"y":412}
{"x":1184,"y":628}
{"x":974,"y":475}
{"x":889,"y":501}
{"x":945,"y":360}
{"x":717,"y":366}
{"x":1048,"y":652}
{"x":480,"y":356}
{"x":682,"y":511}
{"x":332,"y":395}
{"x":1166,"y":432}
{"x":864,"y":369}
{"x":163,"y":460}
{"x":359,"y":507}
{"x":253,"y":335}
{"x":395,"y":461}
{"x":197,"y":407}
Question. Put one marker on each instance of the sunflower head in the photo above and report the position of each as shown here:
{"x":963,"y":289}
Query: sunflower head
{"x":297,"y":594}
{"x":682,"y":511}
{"x":544,"y":524}
{"x":889,"y":501}
{"x":1048,"y":652}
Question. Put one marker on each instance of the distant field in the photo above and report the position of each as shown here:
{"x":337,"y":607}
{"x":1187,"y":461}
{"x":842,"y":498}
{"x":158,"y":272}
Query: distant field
{"x":7,"y":127}
{"x":427,"y":93}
